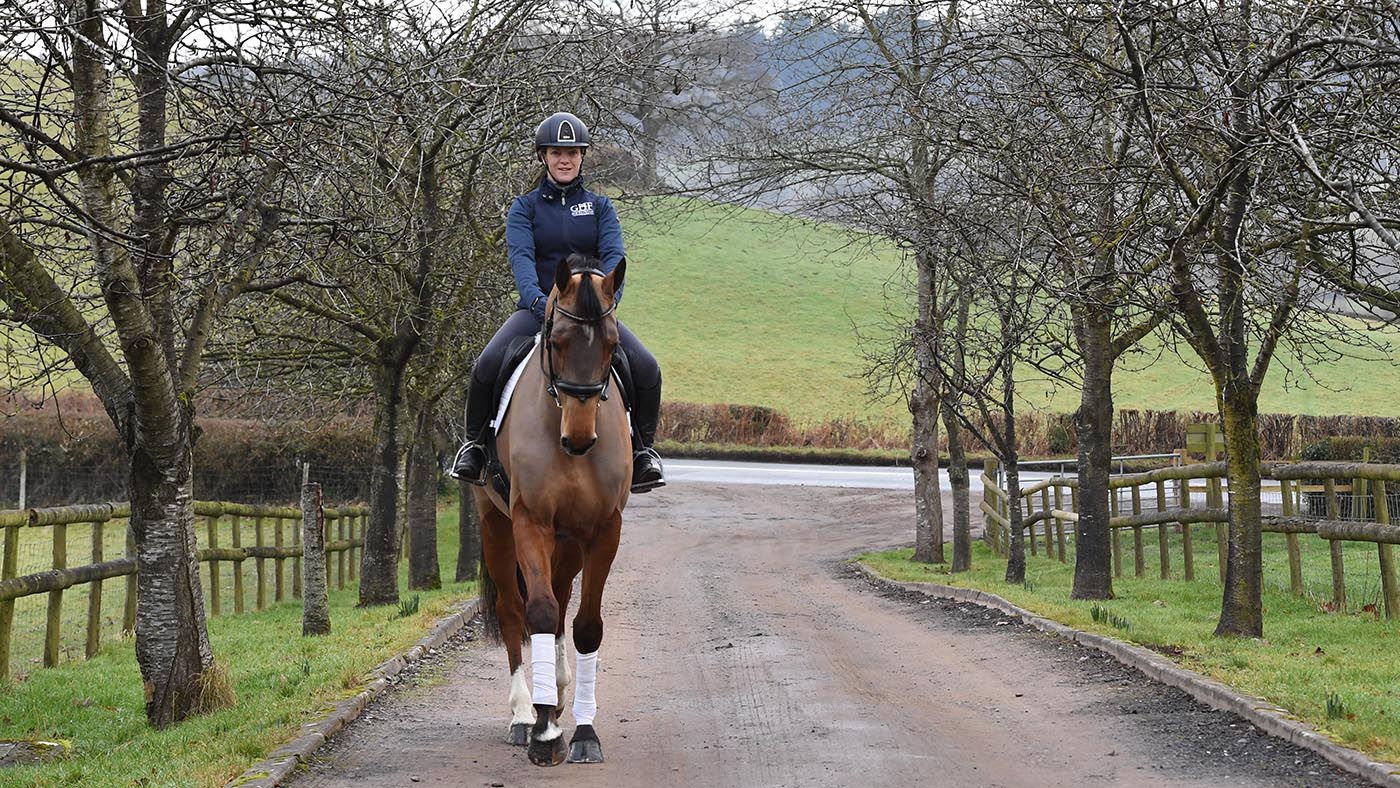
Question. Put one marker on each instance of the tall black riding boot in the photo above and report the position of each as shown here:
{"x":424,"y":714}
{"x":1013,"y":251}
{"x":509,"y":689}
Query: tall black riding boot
{"x":470,"y":462}
{"x":647,"y":473}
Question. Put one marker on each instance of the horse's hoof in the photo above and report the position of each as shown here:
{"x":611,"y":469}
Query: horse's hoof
{"x":547,"y":753}
{"x":519,"y":735}
{"x":585,"y":747}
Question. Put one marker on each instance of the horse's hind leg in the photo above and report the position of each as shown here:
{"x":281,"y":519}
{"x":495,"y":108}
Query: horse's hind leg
{"x":498,"y":548}
{"x":588,"y":637}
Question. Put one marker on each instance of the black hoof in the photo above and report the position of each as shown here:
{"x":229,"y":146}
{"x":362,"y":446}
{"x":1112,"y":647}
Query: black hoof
{"x":585,"y":747}
{"x":519,"y":735}
{"x":547,"y":753}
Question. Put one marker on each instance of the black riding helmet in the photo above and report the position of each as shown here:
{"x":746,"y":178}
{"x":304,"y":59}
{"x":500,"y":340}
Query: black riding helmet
{"x":561,"y":130}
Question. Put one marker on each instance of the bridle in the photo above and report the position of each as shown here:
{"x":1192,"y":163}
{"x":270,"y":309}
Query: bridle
{"x":581,"y":390}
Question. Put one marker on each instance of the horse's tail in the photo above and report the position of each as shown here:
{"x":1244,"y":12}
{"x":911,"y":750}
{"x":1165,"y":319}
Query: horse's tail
{"x":490,"y":624}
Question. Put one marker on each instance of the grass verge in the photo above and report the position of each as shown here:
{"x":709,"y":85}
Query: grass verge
{"x":1337,"y":671}
{"x":282,"y":680}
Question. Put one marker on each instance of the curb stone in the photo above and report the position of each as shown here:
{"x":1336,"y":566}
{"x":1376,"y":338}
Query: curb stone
{"x":285,"y":759}
{"x":1269,"y":717}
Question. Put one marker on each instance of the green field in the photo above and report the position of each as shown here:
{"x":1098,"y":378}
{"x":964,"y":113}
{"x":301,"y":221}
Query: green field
{"x":750,"y":307}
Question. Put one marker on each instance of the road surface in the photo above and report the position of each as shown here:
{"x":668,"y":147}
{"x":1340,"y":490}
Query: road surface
{"x":739,"y":652}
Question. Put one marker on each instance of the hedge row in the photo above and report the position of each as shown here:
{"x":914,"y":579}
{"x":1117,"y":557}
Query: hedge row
{"x":77,"y":457}
{"x":74,"y":454}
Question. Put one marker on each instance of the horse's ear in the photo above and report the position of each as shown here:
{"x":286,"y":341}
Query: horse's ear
{"x":562,"y":274}
{"x":613,"y":282}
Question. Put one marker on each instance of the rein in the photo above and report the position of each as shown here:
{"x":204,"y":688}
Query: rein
{"x":556,"y":384}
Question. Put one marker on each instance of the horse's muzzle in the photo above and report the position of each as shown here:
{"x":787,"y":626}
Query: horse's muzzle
{"x":576,"y":450}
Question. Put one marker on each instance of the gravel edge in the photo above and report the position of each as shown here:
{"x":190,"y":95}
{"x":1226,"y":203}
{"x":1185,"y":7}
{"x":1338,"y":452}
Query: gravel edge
{"x":285,"y":759}
{"x":1269,"y":717}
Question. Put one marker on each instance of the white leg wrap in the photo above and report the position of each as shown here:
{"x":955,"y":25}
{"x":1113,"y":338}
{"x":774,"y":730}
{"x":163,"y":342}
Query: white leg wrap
{"x":521,"y":710}
{"x":545,"y":688}
{"x":585,"y":700}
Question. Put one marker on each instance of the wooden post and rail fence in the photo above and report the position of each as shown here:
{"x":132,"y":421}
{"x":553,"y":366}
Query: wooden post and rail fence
{"x":275,"y":531}
{"x":1311,"y":502}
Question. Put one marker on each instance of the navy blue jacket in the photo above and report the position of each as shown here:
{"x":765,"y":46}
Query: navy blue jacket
{"x":548,"y":224}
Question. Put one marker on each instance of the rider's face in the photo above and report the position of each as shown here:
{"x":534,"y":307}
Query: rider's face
{"x":563,"y":163}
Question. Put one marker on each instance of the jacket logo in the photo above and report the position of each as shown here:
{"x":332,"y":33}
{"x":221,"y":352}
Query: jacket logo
{"x":581,"y":209}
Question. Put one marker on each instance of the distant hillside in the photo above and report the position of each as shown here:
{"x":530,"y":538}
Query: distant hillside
{"x":750,"y":307}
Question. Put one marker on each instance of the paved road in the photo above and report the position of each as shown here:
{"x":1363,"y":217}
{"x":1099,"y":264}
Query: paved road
{"x":739,"y":652}
{"x":852,"y":476}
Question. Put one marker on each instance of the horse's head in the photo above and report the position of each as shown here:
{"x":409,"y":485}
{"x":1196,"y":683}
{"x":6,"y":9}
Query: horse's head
{"x":580,"y":334}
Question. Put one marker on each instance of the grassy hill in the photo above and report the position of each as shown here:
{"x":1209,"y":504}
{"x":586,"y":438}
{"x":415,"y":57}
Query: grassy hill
{"x":745,"y":306}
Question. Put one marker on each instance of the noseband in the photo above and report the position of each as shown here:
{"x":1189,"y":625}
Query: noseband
{"x":556,"y":384}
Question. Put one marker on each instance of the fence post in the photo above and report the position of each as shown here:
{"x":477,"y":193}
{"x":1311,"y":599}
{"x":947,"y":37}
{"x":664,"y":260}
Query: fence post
{"x":1139,"y":558}
{"x":1339,"y":579}
{"x":23,"y":479}
{"x":258,"y":563}
{"x":212,"y":525}
{"x":340,"y":552}
{"x":129,"y":610}
{"x":356,"y":525}
{"x":9,"y":566}
{"x":1188,"y":554}
{"x":297,"y":556}
{"x":1295,"y":553}
{"x":1389,"y":589}
{"x":1215,"y":498}
{"x":1049,"y":523}
{"x":54,"y":624}
{"x":1113,"y":493}
{"x":1361,"y":492}
{"x":94,"y":621}
{"x":278,"y":568}
{"x":1059,"y":524}
{"x":315,"y":607}
{"x":1164,"y":556}
{"x":237,"y":565}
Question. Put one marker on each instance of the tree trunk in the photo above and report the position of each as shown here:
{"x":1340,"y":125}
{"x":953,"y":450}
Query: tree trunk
{"x":172,"y":640}
{"x":1241,"y":611}
{"x":379,"y":566}
{"x":959,"y":480}
{"x":1093,"y":569}
{"x":923,"y":406}
{"x":1016,"y":554}
{"x":468,"y":534}
{"x":423,"y":572}
{"x":928,"y":498}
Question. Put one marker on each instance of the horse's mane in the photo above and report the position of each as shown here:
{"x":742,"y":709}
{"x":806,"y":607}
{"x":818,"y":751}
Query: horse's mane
{"x":586,"y":305}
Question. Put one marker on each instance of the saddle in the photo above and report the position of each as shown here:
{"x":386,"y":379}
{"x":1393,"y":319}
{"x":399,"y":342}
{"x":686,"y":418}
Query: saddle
{"x":516,"y":354}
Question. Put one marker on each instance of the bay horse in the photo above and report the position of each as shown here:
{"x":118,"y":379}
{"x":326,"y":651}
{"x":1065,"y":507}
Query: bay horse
{"x":565,"y":445}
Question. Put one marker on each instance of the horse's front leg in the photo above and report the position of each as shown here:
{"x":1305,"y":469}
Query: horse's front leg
{"x":534,"y":549}
{"x":568,"y":562}
{"x":585,"y":746}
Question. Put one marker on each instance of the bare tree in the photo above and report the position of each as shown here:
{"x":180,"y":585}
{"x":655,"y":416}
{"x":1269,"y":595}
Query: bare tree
{"x":156,"y":136}
{"x":1058,"y":135}
{"x":405,"y":239}
{"x":1219,"y":97}
{"x":861,"y":133}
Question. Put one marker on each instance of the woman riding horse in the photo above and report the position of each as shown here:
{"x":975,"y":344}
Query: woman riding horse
{"x":564,"y":443}
{"x":559,"y":218}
